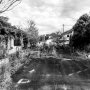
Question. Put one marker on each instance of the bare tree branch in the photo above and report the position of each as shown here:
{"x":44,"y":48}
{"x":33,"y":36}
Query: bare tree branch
{"x":14,"y":5}
{"x":6,"y":5}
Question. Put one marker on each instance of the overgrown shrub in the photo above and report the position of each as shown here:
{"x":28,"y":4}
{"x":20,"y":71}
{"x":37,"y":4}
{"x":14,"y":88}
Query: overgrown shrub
{"x":63,"y":49}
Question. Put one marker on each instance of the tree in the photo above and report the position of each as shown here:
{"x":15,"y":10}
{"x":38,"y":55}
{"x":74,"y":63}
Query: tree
{"x":6,"y":5}
{"x":81,"y":35}
{"x":32,"y":33}
{"x":5,"y":28}
{"x":32,"y":29}
{"x":9,"y":31}
{"x":4,"y":22}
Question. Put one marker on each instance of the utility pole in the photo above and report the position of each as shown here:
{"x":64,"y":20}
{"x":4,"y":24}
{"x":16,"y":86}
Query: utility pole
{"x":63,"y":32}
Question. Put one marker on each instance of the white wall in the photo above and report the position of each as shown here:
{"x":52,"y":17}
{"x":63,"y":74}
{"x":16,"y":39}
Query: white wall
{"x":13,"y":48}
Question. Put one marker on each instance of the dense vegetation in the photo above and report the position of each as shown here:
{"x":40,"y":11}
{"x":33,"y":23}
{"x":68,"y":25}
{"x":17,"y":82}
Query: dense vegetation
{"x":30,"y":36}
{"x":81,"y":35}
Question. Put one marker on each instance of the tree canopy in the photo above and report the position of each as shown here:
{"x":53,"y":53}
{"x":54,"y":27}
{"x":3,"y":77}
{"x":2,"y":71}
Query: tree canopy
{"x":32,"y":32}
{"x":81,"y":35}
{"x":7,"y":29}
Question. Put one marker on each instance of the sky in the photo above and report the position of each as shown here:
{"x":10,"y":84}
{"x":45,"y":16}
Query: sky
{"x":49,"y":15}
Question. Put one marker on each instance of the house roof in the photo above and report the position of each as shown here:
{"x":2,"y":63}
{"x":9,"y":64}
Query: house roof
{"x":67,"y":32}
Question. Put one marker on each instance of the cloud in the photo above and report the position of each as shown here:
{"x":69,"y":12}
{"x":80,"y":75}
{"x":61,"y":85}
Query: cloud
{"x":41,"y":11}
{"x":49,"y":15}
{"x":70,"y":7}
{"x":47,"y":29}
{"x":40,"y":3}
